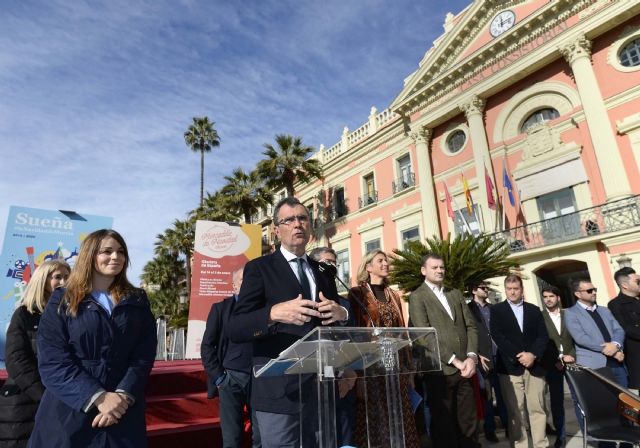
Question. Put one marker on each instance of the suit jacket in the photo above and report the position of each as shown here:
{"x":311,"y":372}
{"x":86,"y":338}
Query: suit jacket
{"x":215,"y":348}
{"x":458,"y":337}
{"x":626,"y":310}
{"x":485,"y":344}
{"x":587,"y":336}
{"x":556,"y":340}
{"x":511,"y":340}
{"x":269,"y":280}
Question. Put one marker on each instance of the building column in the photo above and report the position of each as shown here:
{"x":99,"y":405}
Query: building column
{"x":578,"y":55}
{"x":428,"y":197}
{"x":473,"y":111}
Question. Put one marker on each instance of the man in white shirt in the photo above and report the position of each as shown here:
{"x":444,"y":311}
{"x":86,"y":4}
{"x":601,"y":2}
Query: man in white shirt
{"x":449,"y":392}
{"x":560,"y":351}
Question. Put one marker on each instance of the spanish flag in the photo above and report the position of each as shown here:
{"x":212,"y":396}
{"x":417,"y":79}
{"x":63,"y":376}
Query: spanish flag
{"x":467,"y":195}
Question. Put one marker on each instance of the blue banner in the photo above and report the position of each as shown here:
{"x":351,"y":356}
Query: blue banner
{"x":34,"y":236}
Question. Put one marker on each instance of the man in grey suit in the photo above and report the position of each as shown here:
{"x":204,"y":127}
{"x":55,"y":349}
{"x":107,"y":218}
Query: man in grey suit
{"x":597,"y":335}
{"x":450,"y":391}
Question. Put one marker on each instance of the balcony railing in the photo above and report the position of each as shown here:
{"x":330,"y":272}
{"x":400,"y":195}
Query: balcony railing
{"x":368,"y":199}
{"x":606,"y":218}
{"x":403,"y":183}
{"x":337,"y":211}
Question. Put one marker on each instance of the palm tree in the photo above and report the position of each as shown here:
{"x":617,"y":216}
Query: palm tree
{"x":215,"y":208}
{"x":178,"y":240}
{"x":245,"y":193}
{"x":164,"y":271}
{"x":288,"y":163}
{"x":201,"y":136}
{"x":467,"y":258}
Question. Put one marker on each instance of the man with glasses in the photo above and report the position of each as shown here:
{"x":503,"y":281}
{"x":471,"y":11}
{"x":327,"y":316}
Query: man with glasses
{"x":283,"y":297}
{"x":597,"y":335}
{"x":626,"y":309}
{"x":487,"y":351}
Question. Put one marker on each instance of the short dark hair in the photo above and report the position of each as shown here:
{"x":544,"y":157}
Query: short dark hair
{"x":513,"y":278}
{"x":552,"y":289}
{"x":428,"y":256}
{"x":291,"y":202}
{"x":622,"y":275}
{"x":316,"y":253}
{"x":575,"y":283}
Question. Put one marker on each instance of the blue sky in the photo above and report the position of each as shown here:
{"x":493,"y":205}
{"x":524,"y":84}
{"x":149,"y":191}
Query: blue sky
{"x":95,"y":96}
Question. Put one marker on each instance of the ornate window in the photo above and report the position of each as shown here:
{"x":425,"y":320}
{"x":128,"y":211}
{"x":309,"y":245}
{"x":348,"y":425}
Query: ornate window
{"x":539,"y":116}
{"x":630,"y":54}
{"x":456,"y":141}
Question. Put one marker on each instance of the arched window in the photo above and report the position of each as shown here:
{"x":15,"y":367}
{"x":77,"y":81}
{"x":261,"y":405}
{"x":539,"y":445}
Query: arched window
{"x":539,"y":116}
{"x":630,"y":54}
{"x":456,"y":141}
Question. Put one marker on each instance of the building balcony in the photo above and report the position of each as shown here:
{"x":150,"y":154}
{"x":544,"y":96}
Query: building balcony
{"x":403,"y":183}
{"x":368,"y":199}
{"x":599,"y":220}
{"x":263,"y":216}
{"x":337,"y":211}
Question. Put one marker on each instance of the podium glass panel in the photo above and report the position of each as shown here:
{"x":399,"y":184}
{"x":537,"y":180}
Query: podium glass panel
{"x":369,"y":366}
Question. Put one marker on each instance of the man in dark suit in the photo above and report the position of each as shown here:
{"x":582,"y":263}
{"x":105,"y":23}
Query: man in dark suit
{"x":487,"y":350}
{"x":449,"y":392}
{"x":283,"y":297}
{"x":626,"y":309}
{"x":560,"y":351}
{"x":519,"y":332}
{"x":228,"y":366}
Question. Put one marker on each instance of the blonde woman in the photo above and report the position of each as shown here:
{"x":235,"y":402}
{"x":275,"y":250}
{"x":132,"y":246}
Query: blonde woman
{"x":96,"y":345}
{"x":20,"y":395}
{"x":384,"y":307}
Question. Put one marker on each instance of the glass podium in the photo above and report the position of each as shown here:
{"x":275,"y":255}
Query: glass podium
{"x":378,"y":361}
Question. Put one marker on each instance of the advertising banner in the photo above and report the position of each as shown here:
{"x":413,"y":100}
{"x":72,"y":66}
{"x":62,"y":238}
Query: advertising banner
{"x":219,"y":250}
{"x":32,"y":237}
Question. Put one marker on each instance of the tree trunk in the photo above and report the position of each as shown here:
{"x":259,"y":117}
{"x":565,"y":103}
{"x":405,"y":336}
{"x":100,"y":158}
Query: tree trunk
{"x":201,"y":178}
{"x":187,"y":270}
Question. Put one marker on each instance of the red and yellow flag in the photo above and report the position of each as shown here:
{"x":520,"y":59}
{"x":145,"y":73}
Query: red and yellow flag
{"x":467,"y":195}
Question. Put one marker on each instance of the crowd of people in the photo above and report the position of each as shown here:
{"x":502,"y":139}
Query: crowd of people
{"x":498,"y":361}
{"x":82,"y":342}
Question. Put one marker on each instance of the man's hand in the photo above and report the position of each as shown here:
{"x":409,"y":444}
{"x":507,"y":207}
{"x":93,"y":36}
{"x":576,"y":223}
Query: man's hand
{"x":467,"y":367}
{"x":526,"y":359}
{"x":296,"y":311}
{"x":111,"y":407}
{"x":609,"y":348}
{"x":619,"y":356}
{"x":330,"y":311}
{"x":568,"y":359}
{"x":484,"y":362}
{"x":559,"y":365}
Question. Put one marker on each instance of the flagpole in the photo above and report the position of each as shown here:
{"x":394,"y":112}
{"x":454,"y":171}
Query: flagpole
{"x":466,"y":224}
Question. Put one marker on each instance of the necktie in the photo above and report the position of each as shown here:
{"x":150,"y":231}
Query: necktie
{"x":304,"y":281}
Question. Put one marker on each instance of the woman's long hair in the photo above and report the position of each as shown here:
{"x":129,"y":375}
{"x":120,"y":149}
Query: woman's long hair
{"x":363,"y":275}
{"x":80,"y":281}
{"x":37,"y":293}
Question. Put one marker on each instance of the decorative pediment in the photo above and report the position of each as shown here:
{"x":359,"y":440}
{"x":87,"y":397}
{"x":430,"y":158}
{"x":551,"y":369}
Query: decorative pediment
{"x":464,"y":53}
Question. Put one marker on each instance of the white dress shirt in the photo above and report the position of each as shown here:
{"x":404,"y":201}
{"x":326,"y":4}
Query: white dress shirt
{"x":292,"y":259}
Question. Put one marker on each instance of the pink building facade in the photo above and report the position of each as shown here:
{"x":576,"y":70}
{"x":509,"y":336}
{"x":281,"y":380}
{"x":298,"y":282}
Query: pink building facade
{"x":546,"y":91}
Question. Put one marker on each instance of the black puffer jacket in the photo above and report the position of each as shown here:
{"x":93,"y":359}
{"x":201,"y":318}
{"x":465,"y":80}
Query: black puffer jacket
{"x":20,"y":395}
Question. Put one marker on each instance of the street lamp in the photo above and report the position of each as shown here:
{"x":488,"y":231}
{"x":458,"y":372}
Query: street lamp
{"x":624,"y":261}
{"x":184,"y":297}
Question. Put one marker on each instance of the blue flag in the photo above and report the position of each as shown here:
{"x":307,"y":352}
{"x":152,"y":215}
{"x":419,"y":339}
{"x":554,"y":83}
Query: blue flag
{"x":506,"y":182}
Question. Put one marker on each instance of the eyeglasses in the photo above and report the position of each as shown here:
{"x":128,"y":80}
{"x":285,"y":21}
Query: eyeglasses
{"x":590,"y":290}
{"x":484,"y":288}
{"x":302,"y":219}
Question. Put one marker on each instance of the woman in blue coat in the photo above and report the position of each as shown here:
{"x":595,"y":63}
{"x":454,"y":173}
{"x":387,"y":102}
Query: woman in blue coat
{"x":96,"y":347}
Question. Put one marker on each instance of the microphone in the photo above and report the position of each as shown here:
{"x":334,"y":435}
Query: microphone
{"x":323,"y":266}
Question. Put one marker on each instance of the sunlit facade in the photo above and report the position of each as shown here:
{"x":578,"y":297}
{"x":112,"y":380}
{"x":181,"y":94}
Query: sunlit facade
{"x":548,"y":91}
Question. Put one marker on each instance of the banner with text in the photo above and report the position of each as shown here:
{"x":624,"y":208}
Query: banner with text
{"x":219,"y":250}
{"x":32,"y":237}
